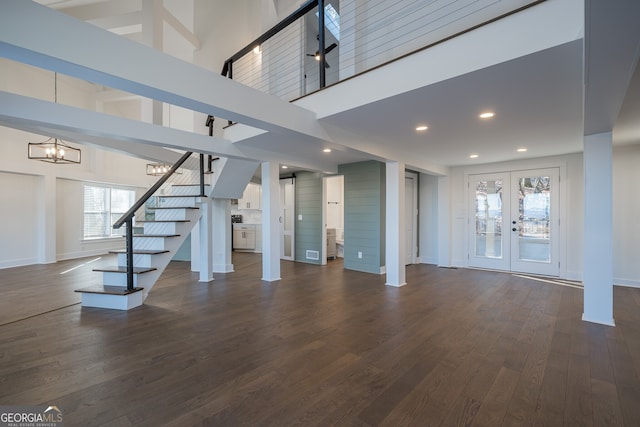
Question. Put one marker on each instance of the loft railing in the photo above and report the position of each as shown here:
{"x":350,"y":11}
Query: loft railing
{"x":309,"y":50}
{"x":127,"y":218}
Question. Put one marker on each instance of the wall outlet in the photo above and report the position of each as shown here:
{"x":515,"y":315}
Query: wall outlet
{"x":300,"y":217}
{"x":359,"y":255}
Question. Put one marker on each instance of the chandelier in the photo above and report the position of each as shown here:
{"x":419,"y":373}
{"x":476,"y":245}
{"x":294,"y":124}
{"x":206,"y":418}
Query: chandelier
{"x":54,"y":150}
{"x":158,"y":169}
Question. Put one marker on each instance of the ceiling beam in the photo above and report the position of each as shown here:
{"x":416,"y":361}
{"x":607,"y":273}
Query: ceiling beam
{"x":100,"y":10}
{"x":79,"y":125}
{"x":170,"y":19}
{"x":131,"y":19}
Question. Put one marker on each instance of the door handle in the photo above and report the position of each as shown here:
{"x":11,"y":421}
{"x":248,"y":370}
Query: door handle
{"x":514,"y":229}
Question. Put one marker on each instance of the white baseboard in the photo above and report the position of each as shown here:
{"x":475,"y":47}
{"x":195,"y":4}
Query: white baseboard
{"x":629,"y":283}
{"x":428,"y":260}
{"x":84,"y":254}
{"x":222,"y":268}
{"x":18,"y":262}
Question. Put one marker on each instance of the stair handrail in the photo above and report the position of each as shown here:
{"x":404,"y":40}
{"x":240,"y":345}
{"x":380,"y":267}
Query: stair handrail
{"x":142,"y":200}
{"x":127,"y":218}
{"x":227,"y":69}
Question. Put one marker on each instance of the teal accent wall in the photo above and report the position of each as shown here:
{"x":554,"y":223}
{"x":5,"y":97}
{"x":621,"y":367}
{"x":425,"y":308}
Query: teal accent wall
{"x":364,"y":215}
{"x":184,"y":253}
{"x":308,"y":232}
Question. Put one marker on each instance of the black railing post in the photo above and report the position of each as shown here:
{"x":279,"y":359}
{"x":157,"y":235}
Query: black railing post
{"x":321,"y":52}
{"x":202,"y":175}
{"x":129,"y":238}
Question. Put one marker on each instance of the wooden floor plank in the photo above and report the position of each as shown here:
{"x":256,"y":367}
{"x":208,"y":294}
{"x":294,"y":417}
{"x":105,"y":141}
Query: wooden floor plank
{"x":322,"y":346}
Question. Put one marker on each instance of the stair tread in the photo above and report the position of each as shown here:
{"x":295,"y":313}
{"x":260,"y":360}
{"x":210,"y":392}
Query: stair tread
{"x":156,"y":235}
{"x":140,"y":251}
{"x":108,"y":290}
{"x":117,"y":269}
{"x":175,"y":207}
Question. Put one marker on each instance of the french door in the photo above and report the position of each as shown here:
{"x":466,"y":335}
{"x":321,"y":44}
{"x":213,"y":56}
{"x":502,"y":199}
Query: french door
{"x":513,"y":221}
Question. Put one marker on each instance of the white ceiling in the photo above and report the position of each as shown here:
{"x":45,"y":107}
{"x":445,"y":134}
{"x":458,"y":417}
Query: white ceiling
{"x":537,"y":100}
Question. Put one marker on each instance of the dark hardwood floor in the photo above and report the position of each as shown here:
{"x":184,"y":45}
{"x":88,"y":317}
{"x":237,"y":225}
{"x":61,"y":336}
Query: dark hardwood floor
{"x":323,"y":346}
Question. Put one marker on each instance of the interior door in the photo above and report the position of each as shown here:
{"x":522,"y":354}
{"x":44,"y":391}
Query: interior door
{"x":287,"y":205}
{"x":514,"y":221}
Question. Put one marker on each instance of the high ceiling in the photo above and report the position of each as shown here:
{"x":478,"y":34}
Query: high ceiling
{"x":537,"y":98}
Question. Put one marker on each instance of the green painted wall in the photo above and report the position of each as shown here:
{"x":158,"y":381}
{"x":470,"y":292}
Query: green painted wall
{"x":364,"y":215}
{"x":308,"y":204}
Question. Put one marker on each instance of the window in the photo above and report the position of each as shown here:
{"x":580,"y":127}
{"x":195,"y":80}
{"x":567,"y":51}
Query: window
{"x":102,"y":207}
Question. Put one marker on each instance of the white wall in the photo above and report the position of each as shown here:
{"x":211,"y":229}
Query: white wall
{"x":18,"y":219}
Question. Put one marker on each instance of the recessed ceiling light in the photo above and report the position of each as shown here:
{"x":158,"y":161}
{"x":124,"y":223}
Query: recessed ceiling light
{"x":521,"y":150}
{"x":487,"y":115}
{"x":285,"y":167}
{"x":422,"y":128}
{"x":473,"y":156}
{"x":327,"y":150}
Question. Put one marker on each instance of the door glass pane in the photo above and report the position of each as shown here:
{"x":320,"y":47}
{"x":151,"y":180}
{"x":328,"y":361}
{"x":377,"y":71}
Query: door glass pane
{"x":488,"y":234}
{"x":287,"y":246}
{"x":534,"y":218}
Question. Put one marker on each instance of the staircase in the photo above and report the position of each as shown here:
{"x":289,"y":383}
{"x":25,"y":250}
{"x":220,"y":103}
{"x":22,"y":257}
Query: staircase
{"x":175,"y":216}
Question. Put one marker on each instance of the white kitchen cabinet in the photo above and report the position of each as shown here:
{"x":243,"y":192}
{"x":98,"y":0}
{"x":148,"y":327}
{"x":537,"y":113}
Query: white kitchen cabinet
{"x":244,"y":237}
{"x":252,"y":197}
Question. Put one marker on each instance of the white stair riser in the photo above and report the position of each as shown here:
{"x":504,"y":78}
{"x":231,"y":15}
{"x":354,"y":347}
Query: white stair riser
{"x":161,"y":228}
{"x":139,"y":260}
{"x":150,"y":243}
{"x":117,"y":302}
{"x":172,"y":214}
{"x":117,"y":279}
{"x":158,"y":261}
{"x":187,"y":190}
{"x":166,"y":202}
{"x":145,"y":280}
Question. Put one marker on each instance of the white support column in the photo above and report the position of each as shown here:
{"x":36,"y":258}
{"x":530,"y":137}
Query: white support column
{"x":222,"y":233}
{"x":444,"y":229}
{"x":206,"y":241}
{"x":47,"y":220}
{"x":395,"y":246}
{"x":270,"y":222}
{"x":195,"y":248}
{"x":598,"y":229}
